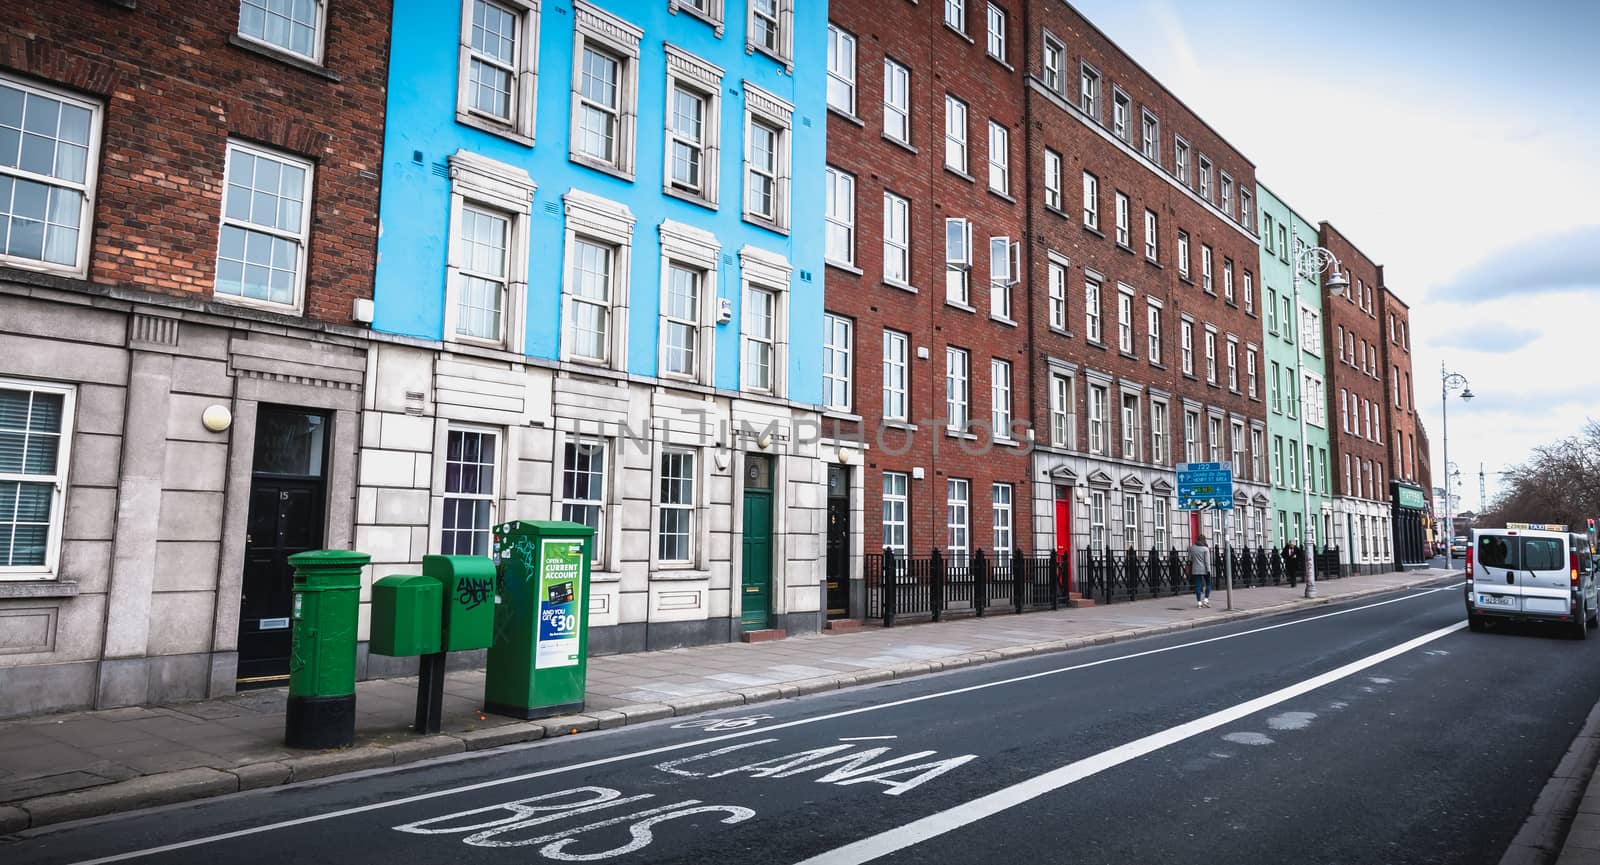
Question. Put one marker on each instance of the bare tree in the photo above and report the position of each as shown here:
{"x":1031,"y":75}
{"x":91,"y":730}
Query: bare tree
{"x":1559,"y":483}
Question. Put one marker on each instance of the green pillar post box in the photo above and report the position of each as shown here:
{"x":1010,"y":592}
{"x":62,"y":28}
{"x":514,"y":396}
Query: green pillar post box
{"x":322,"y":662}
{"x":538,"y":664}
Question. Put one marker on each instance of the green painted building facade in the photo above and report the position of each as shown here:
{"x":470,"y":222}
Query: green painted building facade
{"x":1296,"y":395}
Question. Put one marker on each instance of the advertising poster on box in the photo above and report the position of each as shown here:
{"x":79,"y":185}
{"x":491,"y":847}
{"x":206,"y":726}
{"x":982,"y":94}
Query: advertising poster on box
{"x":560,"y":607}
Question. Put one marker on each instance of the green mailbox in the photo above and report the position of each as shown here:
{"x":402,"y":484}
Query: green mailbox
{"x":321,"y":711}
{"x":468,"y":581}
{"x":405,"y":616}
{"x":538,"y":664}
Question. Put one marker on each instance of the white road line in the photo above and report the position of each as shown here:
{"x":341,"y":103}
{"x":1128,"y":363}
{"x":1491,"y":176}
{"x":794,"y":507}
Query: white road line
{"x":702,"y":742}
{"x":934,"y":825}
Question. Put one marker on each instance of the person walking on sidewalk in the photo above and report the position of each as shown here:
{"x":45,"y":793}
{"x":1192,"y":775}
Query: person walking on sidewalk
{"x":1200,"y":571}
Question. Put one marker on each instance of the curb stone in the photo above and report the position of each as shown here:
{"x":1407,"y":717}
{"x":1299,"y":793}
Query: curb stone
{"x":200,"y":783}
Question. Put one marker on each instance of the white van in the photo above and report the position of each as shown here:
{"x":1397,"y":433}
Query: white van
{"x":1531,"y":572}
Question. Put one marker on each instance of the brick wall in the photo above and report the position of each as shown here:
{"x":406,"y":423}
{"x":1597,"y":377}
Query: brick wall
{"x":176,"y":83}
{"x":1400,"y":402}
{"x":1355,"y":317}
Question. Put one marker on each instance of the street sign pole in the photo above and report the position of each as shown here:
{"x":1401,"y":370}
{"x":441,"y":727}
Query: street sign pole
{"x":1227,"y":552}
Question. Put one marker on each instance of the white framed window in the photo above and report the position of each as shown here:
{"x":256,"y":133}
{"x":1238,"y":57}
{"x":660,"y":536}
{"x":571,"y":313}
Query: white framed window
{"x":1245,"y":208}
{"x":997,"y":33}
{"x":266,"y":227}
{"x":1063,"y":414}
{"x":1091,"y":200}
{"x":1249,"y":292}
{"x":1191,"y":436}
{"x":36,"y":423}
{"x":895,"y":505}
{"x":771,"y":30}
{"x":1233,"y":364}
{"x":841,"y":71}
{"x":709,"y":11}
{"x":957,"y":388}
{"x":693,"y":133}
{"x":839,"y":214}
{"x":767,"y":122}
{"x":1310,"y":331}
{"x":1186,"y":345}
{"x":1316,"y":406}
{"x":483,"y":278}
{"x":958,"y":519}
{"x":1286,"y":302}
{"x":1150,"y":136}
{"x":957,"y":259}
{"x":1227,"y":279}
{"x":1001,"y":521}
{"x":689,"y":262}
{"x":675,"y":506}
{"x":1257,"y":457}
{"x":1291,"y":459}
{"x":1250,"y":371}
{"x":1267,"y":232}
{"x":499,"y":74}
{"x":1205,"y":179}
{"x":955,"y":134}
{"x":1211,"y":356}
{"x":1152,"y":328}
{"x":999,"y":158}
{"x":1005,"y":262}
{"x":1274,"y":386}
{"x":1053,"y":64}
{"x":1089,"y":91}
{"x":1121,"y":115}
{"x":1227,"y":194}
{"x":1052,"y":179}
{"x":294,"y":28}
{"x":1158,"y":432}
{"x":896,"y":375}
{"x":1180,"y":160}
{"x":1098,"y":406}
{"x":1124,"y":227}
{"x":1214,"y":439}
{"x":1130,"y":521}
{"x":838,"y":344}
{"x":1091,"y":309}
{"x":955,"y":14}
{"x":1000,"y":399}
{"x":1158,"y":509}
{"x":605,"y":89}
{"x":1206,"y":269}
{"x":487,"y":268}
{"x":1058,"y":293}
{"x":760,"y":335}
{"x":471,"y":490}
{"x":1272,"y":311}
{"x":49,"y":151}
{"x":1097,"y":520}
{"x":896,"y":240}
{"x":896,"y":101}
{"x":1125,"y":319}
{"x":1183,"y":254}
{"x":599,"y":249}
{"x":1131,"y":426}
{"x":583,"y":489}
{"x":1151,"y":233}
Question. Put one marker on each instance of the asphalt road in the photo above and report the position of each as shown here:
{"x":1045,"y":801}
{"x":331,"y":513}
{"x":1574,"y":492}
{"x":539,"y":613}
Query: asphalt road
{"x":1375,"y":731}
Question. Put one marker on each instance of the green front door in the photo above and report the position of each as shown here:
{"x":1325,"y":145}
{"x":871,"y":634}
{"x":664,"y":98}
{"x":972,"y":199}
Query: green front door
{"x":756,"y":586}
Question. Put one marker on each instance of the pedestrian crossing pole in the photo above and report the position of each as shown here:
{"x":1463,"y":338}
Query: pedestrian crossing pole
{"x":1227,"y":552}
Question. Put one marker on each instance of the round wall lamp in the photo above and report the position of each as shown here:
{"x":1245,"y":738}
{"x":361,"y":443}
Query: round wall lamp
{"x":216,"y":418}
{"x":764,"y":442}
{"x":844,"y":456}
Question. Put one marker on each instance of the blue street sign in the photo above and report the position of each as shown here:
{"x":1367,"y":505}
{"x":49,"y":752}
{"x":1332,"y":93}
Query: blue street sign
{"x":1205,"y":486}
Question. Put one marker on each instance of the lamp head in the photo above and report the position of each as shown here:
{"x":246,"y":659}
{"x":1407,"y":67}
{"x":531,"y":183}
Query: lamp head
{"x":1466,"y":395}
{"x":1337,"y":283}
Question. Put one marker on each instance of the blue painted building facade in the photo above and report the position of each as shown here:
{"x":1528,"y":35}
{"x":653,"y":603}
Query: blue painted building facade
{"x":599,"y":298}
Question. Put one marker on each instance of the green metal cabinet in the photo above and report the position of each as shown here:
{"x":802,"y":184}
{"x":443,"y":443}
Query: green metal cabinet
{"x":405,"y":616}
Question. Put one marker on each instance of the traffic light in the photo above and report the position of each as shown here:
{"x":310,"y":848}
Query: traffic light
{"x":1591,"y":525}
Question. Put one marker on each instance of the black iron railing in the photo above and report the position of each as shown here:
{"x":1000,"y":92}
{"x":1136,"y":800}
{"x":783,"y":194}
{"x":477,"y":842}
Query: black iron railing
{"x":939,"y":585}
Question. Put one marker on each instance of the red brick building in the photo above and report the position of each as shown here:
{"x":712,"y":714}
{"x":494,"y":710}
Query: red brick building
{"x":194,"y":223}
{"x":1408,"y":497}
{"x":928,"y":183}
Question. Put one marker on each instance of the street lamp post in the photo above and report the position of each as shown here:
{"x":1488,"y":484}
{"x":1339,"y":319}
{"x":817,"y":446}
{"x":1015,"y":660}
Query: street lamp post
{"x":1310,"y":262}
{"x":1449,"y":381}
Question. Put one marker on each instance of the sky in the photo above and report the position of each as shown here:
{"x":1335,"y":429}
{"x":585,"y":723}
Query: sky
{"x":1454,"y":143}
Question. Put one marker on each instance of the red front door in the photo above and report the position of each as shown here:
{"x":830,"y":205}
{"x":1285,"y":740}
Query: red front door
{"x":1064,"y":532}
{"x":1194,"y":525}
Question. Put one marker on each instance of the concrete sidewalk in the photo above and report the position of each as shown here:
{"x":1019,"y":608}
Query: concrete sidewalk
{"x":65,"y":767}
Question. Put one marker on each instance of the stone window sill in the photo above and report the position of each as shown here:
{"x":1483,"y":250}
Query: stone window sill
{"x":38,"y":589}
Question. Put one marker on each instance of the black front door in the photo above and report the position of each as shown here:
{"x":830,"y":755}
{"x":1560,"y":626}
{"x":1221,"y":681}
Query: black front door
{"x":838,"y":542}
{"x":286,"y":517}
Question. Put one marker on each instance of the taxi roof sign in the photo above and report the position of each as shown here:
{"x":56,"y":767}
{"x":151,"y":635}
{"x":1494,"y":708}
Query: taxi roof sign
{"x":1538,"y":527}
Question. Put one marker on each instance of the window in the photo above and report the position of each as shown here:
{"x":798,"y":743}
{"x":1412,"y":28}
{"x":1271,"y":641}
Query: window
{"x":1000,"y":399}
{"x":955,"y":14}
{"x":1250,"y":371}
{"x":1089,"y":91}
{"x":1097,"y":521}
{"x":35,"y":437}
{"x":957,"y":367}
{"x":1183,"y":254}
{"x":837,"y":344}
{"x":1150,"y":137}
{"x":772,"y":29}
{"x":1316,"y":407}
{"x":1283,"y":242}
{"x":1097,"y":418}
{"x":681,"y":322}
{"x":293,"y":27}
{"x":1291,"y":458}
{"x":693,"y":131}
{"x":1130,"y":426}
{"x":1091,"y":309}
{"x":1340,"y":339}
{"x":1244,"y":208}
{"x":1233,"y":364}
{"x":470,"y":478}
{"x":999,"y":158}
{"x":896,"y":371}
{"x":1272,"y":311}
{"x":1227,"y":280}
{"x":1291,"y":400}
{"x":1158,"y":432}
{"x":676,"y":502}
{"x":1186,"y":346}
{"x":896,"y":240}
{"x":266,"y":220}
{"x":841,"y":70}
{"x":1152,"y":329}
{"x":1277,"y":461}
{"x":482,"y":288}
{"x":997,"y":33}
{"x":896,"y":101}
{"x":1063,"y":420}
{"x":1055,"y":59}
{"x":48,"y":147}
{"x":488,"y":259}
{"x":957,"y":492}
{"x":1191,"y":436}
{"x":1288,"y":318}
{"x":1273,"y":385}
{"x":590,"y":300}
{"x":957,"y":259}
{"x":840,"y":216}
{"x":760,"y":336}
{"x":1249,"y":292}
{"x":1180,"y":160}
{"x":1130,"y":521}
{"x":895,"y":486}
{"x":1205,"y":178}
{"x":1121,"y":111}
{"x":1052,"y":179}
{"x":1227,"y":195}
{"x":1266,"y":232}
{"x":1237,"y":440}
{"x":1214,"y":438}
{"x":1150,"y":233}
{"x":1091,"y":200}
{"x":1124,"y":230}
{"x":1159,"y":508}
{"x":1058,"y":294}
{"x":955,"y":134}
{"x":1005,"y":260}
{"x":1257,"y":470}
{"x":499,"y":66}
{"x":605,"y":90}
{"x":1125,"y":321}
{"x":1310,"y":331}
{"x":583,"y":488}
{"x":766,"y":160}
{"x":1002,"y":521}
{"x":1206,"y":269}
{"x":1211,"y":356}
{"x":689,"y":290}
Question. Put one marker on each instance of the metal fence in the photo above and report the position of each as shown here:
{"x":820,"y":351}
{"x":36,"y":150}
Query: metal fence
{"x":1107,"y":576}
